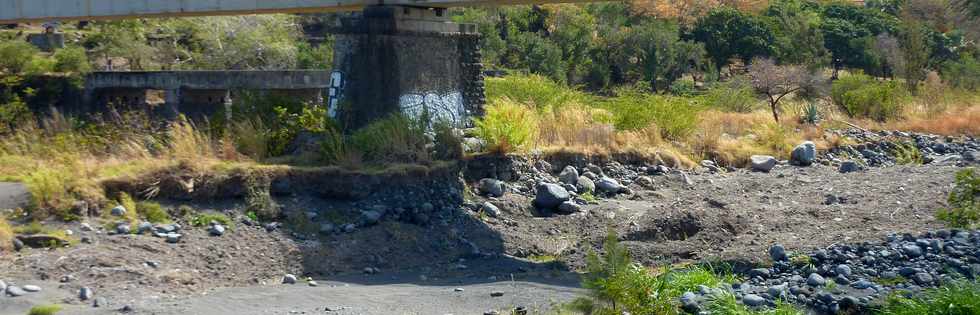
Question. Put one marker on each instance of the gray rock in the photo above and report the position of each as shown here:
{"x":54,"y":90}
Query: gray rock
{"x":689,"y":301}
{"x":173,"y":238}
{"x":490,"y":209}
{"x":861,"y":284}
{"x":289,"y":279}
{"x":3,"y":286}
{"x":15,"y":291}
{"x":843,"y":270}
{"x":123,"y":228}
{"x":491,"y":187}
{"x":922,"y":278}
{"x":804,"y":154}
{"x":217,"y":230}
{"x":763,"y":163}
{"x":550,"y":196}
{"x":312,"y":283}
{"x":85,"y":293}
{"x":778,"y":253}
{"x":609,"y":185}
{"x":912,"y":250}
{"x":815,"y":280}
{"x":18,"y":244}
{"x":584,"y":185}
{"x":759,"y":272}
{"x":144,"y":227}
{"x":32,"y":288}
{"x":118,"y":211}
{"x":370,"y":217}
{"x":85,"y":227}
{"x":848,"y":167}
{"x":644,"y":181}
{"x":349,"y":228}
{"x":497,"y":293}
{"x":100,"y":302}
{"x":569,"y":207}
{"x":753,"y":300}
{"x":569,"y":175}
{"x":327,"y":228}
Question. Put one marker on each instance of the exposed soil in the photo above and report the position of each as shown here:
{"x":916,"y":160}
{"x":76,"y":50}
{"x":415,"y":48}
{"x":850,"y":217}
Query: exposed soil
{"x":729,"y":216}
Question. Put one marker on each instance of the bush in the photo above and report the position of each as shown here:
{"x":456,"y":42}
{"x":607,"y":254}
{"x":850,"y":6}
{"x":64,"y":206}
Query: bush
{"x":964,"y":208}
{"x":963,"y":73}
{"x":258,"y":198}
{"x":507,"y":126}
{"x":152,"y":211}
{"x":908,"y":154}
{"x":676,"y":117}
{"x":45,"y":310}
{"x":16,"y":57}
{"x":957,"y":297}
{"x":535,"y":91}
{"x":394,"y":139}
{"x":732,"y":96}
{"x":71,"y":60}
{"x":860,"y":96}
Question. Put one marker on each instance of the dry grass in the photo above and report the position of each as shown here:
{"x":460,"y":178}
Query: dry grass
{"x":956,"y":121}
{"x":6,"y":234}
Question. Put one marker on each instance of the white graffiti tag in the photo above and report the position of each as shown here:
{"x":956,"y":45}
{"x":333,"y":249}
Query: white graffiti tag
{"x":336,"y":91}
{"x":447,"y":107}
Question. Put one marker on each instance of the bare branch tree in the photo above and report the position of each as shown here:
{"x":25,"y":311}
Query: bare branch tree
{"x":777,"y":81}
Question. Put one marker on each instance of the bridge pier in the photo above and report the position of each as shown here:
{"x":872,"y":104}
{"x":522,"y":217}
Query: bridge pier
{"x":405,"y":59}
{"x":171,"y":103}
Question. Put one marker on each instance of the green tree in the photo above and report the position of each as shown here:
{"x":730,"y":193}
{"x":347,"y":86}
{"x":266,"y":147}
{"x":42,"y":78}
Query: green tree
{"x":796,"y":25}
{"x":848,"y":32}
{"x":660,"y":53}
{"x":916,"y":53}
{"x":728,"y":33}
{"x":16,"y":56}
{"x":72,"y":60}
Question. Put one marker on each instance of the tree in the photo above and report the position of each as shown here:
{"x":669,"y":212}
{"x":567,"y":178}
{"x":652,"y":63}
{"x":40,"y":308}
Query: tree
{"x":777,"y":81}
{"x":727,"y":33}
{"x":72,"y":60}
{"x":796,"y":25}
{"x":848,"y":32}
{"x":16,"y":56}
{"x":916,"y":53}
{"x":660,"y":54}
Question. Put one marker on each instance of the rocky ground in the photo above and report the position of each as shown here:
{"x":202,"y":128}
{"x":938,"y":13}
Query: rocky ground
{"x":524,"y":237}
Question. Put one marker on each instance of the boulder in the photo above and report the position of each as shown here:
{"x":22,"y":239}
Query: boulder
{"x":123,"y":228}
{"x":118,"y":211}
{"x":289,"y":279}
{"x":815,"y":280}
{"x":550,"y":196}
{"x":491,"y":187}
{"x":217,"y":230}
{"x":490,"y":209}
{"x":370,"y":217}
{"x":848,"y":167}
{"x":173,"y":238}
{"x":585,"y":185}
{"x":804,"y":154}
{"x":609,"y":185}
{"x":144,"y":227}
{"x":568,"y":176}
{"x":569,"y":207}
{"x":14,"y":291}
{"x":763,"y":163}
{"x":778,"y":253}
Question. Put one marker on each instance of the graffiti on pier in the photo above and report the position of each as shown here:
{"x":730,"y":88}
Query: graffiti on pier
{"x":436,"y":107}
{"x":335,"y":93}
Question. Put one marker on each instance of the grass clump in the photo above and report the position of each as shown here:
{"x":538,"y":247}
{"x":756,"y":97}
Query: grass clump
{"x":152,"y":212}
{"x":204,"y":219}
{"x":725,"y":303}
{"x":45,"y":309}
{"x":394,"y":139}
{"x":908,"y":154}
{"x":957,"y":297}
{"x":964,"y":208}
{"x":675,"y":117}
{"x":617,"y":285}
{"x":507,"y":126}
{"x":6,"y":234}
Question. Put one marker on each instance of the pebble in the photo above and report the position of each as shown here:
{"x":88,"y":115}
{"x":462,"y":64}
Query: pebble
{"x":289,"y":279}
{"x":32,"y":288}
{"x":85,"y":293}
{"x":100,"y":302}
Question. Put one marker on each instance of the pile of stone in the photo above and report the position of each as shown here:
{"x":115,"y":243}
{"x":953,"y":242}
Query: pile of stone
{"x":12,"y":290}
{"x":882,"y":147}
{"x":851,"y":278}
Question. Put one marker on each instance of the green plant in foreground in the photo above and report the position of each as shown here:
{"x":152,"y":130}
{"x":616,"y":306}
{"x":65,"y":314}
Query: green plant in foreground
{"x":725,"y":303}
{"x":205,"y":219}
{"x":964,"y":209}
{"x":954,"y":298}
{"x":45,"y":310}
{"x":507,"y":126}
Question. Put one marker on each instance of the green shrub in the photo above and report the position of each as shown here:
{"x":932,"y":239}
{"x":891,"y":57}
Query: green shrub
{"x":963,"y":73}
{"x":394,"y":139}
{"x":152,"y":211}
{"x":204,"y":219}
{"x":16,"y":56}
{"x":683,"y":88}
{"x":258,"y":198}
{"x":45,"y":310}
{"x":957,"y":297}
{"x":71,"y":60}
{"x":507,"y":126}
{"x":861,"y":96}
{"x":810,"y":113}
{"x":964,"y":207}
{"x":533,"y":90}
{"x":732,"y":96}
{"x":676,"y":117}
{"x":908,"y":154}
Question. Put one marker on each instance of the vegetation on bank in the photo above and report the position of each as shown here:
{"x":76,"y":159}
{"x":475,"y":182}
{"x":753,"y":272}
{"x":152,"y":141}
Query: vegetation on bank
{"x":963,"y":209}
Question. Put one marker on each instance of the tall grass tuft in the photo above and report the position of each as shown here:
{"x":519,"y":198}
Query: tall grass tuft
{"x":252,"y":138}
{"x":394,"y":139}
{"x":187,"y":142}
{"x":507,"y":126}
{"x":957,"y":297}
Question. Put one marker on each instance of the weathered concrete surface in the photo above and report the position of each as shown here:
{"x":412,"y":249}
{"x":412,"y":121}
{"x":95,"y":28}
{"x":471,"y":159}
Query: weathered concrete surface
{"x":390,"y":59}
{"x":210,"y":80}
{"x":21,"y":11}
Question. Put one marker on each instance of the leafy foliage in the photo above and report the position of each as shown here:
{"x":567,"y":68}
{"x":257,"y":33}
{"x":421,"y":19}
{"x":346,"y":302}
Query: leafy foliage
{"x":507,"y":126}
{"x":964,"y":201}
{"x":728,"y":33}
{"x":205,"y":219}
{"x":861,"y":96}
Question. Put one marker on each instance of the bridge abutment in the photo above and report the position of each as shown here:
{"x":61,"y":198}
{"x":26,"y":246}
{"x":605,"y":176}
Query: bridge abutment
{"x":390,"y":59}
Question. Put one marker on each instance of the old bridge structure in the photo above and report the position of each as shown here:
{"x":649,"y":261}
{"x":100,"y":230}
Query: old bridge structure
{"x":389,"y":56}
